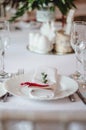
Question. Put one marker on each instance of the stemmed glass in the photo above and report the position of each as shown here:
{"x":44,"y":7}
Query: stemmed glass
{"x":74,"y":42}
{"x":78,"y":42}
{"x":81,"y":50}
{"x":4,"y":44}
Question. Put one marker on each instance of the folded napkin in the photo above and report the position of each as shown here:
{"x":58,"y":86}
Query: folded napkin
{"x":49,"y":71}
{"x":3,"y":91}
{"x":37,"y":93}
{"x":41,"y":94}
{"x":51,"y":77}
{"x":46,"y":92}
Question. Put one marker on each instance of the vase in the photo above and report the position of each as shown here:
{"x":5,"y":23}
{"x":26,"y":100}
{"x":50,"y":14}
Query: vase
{"x":45,"y":15}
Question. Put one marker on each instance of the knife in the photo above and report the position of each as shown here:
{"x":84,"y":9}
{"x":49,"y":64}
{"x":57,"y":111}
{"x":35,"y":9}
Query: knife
{"x":81,"y":96}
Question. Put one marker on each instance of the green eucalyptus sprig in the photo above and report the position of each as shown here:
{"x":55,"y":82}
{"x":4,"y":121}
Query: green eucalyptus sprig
{"x":64,"y":5}
{"x":44,"y":77}
{"x":20,"y":11}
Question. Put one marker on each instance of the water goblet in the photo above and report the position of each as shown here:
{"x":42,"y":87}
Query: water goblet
{"x":81,"y":57}
{"x":4,"y":44}
{"x":78,"y":42}
{"x":73,"y":41}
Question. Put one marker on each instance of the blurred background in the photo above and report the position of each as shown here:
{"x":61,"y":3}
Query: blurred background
{"x":9,"y":7}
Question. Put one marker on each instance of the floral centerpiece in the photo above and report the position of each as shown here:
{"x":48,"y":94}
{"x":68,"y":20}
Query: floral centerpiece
{"x":29,"y":5}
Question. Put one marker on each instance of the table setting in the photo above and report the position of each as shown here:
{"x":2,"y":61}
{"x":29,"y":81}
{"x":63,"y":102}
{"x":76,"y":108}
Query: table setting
{"x":42,"y":66}
{"x":39,"y":81}
{"x":43,"y":27}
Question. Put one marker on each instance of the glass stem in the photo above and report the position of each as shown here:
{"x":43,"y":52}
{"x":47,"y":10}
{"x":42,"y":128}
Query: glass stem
{"x":77,"y":71}
{"x":76,"y":65}
{"x":3,"y":55}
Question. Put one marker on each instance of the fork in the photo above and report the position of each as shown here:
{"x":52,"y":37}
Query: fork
{"x":72,"y":98}
{"x":4,"y":98}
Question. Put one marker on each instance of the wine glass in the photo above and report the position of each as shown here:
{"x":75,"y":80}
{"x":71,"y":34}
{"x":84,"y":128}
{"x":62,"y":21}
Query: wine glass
{"x":81,"y":51}
{"x":4,"y":44}
{"x":74,"y":42}
{"x":78,"y":42}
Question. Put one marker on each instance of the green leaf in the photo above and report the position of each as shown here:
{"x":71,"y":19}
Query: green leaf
{"x":63,"y":1}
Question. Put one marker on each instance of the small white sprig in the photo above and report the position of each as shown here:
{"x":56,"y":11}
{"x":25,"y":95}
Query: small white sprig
{"x":44,"y":77}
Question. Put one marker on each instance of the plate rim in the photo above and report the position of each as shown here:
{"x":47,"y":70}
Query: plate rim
{"x":2,"y":85}
{"x":29,"y":98}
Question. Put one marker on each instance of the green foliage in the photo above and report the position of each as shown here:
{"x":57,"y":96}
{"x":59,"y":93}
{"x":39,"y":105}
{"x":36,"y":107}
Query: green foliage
{"x":64,"y":5}
{"x":28,"y":5}
{"x":20,"y":12}
{"x":44,"y":77}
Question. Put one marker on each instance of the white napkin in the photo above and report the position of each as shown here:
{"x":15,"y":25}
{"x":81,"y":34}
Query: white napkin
{"x":48,"y":92}
{"x":37,"y":93}
{"x":2,"y":89}
{"x":51,"y":75}
{"x":42,"y":93}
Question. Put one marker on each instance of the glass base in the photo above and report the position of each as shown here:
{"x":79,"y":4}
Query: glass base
{"x":82,"y":81}
{"x":4,"y":74}
{"x":75,"y":75}
{"x":79,"y":78}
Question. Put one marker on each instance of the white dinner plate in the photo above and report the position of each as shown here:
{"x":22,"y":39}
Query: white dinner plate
{"x":65,"y":86}
{"x":3,"y":91}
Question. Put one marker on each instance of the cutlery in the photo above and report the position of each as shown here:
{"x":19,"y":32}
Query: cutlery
{"x":72,"y":98}
{"x":81,"y":96}
{"x":4,"y":98}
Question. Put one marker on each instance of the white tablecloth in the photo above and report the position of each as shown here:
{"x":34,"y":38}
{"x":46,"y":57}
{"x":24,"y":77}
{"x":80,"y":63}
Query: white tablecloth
{"x":18,"y":56}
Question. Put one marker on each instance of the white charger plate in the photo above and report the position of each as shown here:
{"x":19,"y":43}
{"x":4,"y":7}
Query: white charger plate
{"x":65,"y":87}
{"x":3,"y":91}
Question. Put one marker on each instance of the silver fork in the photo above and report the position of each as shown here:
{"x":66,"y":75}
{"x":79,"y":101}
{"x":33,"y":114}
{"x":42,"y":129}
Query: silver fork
{"x":72,"y":98}
{"x":5,"y":97}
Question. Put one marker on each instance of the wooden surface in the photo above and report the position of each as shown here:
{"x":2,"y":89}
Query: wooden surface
{"x":58,"y":116}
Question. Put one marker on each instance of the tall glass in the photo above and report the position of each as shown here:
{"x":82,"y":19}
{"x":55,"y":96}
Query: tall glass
{"x":74,"y":42}
{"x":4,"y":44}
{"x":78,"y":42}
